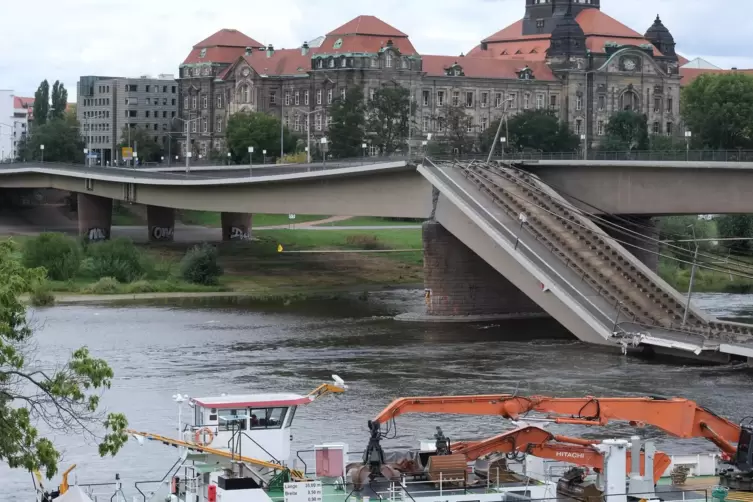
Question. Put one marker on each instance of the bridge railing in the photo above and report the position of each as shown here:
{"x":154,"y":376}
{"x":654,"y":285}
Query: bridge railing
{"x":634,"y":155}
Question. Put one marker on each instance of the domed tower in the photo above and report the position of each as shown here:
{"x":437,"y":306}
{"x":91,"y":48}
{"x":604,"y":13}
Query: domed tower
{"x":568,"y":42}
{"x":661,"y":38}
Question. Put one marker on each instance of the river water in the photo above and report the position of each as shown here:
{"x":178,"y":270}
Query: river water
{"x":157,"y":351}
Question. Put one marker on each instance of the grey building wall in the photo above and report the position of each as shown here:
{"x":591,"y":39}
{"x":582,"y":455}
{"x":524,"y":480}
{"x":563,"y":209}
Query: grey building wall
{"x":107,"y":105}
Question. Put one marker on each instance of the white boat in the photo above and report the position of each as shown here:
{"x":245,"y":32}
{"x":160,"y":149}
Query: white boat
{"x":237,"y":448}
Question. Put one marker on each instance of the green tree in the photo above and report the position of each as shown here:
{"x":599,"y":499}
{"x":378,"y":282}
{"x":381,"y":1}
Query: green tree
{"x":61,"y":139}
{"x":260,"y":130}
{"x":626,"y":130}
{"x":389,"y":113}
{"x":346,"y":132}
{"x":718,"y":109}
{"x":42,"y":104}
{"x":457,"y":125}
{"x":59,"y":100}
{"x":148,"y":147}
{"x":672,"y":228}
{"x":64,"y":399}
{"x":539,"y":130}
{"x":734,"y":226}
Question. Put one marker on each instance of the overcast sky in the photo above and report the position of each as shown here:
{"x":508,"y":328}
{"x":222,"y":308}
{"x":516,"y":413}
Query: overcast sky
{"x":42,"y":39}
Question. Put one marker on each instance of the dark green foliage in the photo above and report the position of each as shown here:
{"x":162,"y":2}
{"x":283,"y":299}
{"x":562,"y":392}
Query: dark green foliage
{"x":148,"y":147}
{"x":42,"y":104}
{"x":61,"y":139}
{"x":260,"y":130}
{"x":199,"y":265}
{"x":59,"y":101}
{"x":389,"y":115}
{"x":735,"y":226}
{"x":346,"y":132}
{"x":59,"y":254}
{"x":718,"y":110}
{"x":626,"y":130}
{"x":62,"y":398}
{"x":538,"y":130}
{"x":117,"y":258}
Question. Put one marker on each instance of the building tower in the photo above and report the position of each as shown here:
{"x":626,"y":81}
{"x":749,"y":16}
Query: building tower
{"x":543,"y":16}
{"x":567,"y":49}
{"x":659,"y":35}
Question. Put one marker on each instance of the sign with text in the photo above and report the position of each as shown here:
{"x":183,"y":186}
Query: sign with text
{"x":127,"y":152}
{"x":308,"y":491}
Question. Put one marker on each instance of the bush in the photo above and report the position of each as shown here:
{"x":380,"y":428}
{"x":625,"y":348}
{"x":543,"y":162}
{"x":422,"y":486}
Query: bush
{"x":141,"y":287}
{"x":199,"y":265}
{"x":364,"y":241}
{"x":117,"y":258}
{"x":59,"y":254}
{"x":41,"y":295}
{"x":104,"y":286}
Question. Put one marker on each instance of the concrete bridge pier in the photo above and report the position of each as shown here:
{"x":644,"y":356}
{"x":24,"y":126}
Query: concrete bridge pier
{"x":236,"y":226}
{"x":161,"y":223}
{"x":94,"y":217}
{"x":460,"y":285}
{"x":636,"y":237}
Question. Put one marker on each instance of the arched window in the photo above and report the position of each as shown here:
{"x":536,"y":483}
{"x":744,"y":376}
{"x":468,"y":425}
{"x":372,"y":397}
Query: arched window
{"x":629,"y":101}
{"x":244,"y":95}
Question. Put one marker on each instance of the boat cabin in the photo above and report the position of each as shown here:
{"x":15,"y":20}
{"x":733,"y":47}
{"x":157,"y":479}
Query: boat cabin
{"x":259,"y":424}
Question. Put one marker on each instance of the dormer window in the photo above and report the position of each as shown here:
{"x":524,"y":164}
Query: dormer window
{"x":525,"y":74}
{"x":320,"y":64}
{"x":203,"y":53}
{"x":405,"y":64}
{"x":387,"y":60}
{"x":338,"y":43}
{"x":455,"y":71}
{"x":331,"y":63}
{"x":343,"y":62}
{"x":374,"y":62}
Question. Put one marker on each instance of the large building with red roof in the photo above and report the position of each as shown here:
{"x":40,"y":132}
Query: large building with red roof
{"x":564,"y":55}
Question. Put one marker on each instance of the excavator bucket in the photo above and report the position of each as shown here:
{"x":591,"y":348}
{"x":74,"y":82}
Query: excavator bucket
{"x":447,"y":469}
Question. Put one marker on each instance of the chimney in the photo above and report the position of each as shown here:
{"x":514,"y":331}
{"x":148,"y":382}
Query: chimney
{"x":270,"y":51}
{"x":248,"y":51}
{"x":305,"y":49}
{"x":734,"y":68}
{"x":389,"y":43}
{"x":484,"y":46}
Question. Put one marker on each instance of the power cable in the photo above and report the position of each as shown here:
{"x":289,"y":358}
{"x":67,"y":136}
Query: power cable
{"x":630,"y":244}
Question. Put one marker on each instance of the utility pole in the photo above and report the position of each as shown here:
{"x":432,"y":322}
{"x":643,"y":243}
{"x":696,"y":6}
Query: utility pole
{"x":410,"y":120}
{"x":499,"y":129}
{"x":692,"y":277}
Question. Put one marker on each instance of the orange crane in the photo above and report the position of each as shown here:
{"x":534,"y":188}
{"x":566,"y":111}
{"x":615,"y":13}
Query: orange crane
{"x":679,"y":417}
{"x":541,"y":443}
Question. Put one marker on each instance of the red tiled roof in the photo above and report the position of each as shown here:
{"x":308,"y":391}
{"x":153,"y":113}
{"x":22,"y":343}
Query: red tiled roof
{"x":282,"y":62}
{"x":21,"y":102}
{"x":225,"y":46}
{"x":214,"y":55}
{"x":364,"y":43}
{"x":690,"y":74}
{"x":435,"y":66}
{"x":228,"y":38}
{"x":367,"y":25}
{"x":598,"y":27}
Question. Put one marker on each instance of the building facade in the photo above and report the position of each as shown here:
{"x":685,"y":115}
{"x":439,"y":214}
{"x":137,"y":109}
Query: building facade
{"x":564,"y":55}
{"x":108,"y":107}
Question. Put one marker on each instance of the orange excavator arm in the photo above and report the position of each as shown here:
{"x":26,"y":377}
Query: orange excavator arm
{"x":676,"y":416}
{"x":540,"y":443}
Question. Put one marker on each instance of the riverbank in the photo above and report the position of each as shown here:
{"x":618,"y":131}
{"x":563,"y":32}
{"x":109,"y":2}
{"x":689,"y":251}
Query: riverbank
{"x":276,"y":264}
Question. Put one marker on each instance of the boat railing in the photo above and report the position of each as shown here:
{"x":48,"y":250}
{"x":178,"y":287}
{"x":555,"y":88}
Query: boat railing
{"x":688,"y":495}
{"x":166,"y":479}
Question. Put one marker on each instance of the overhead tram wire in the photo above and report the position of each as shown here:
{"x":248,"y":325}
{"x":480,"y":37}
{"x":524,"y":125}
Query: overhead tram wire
{"x":744,"y":266}
{"x":635,"y":224}
{"x":701,"y":265}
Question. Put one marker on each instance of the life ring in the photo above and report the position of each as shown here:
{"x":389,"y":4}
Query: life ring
{"x":207,"y":432}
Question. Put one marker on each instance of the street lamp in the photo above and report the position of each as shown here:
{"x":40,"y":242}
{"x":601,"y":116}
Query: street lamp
{"x":364,"y":146}
{"x":264,"y":157}
{"x":250,"y":160}
{"x":324,"y":151}
{"x":228,"y":157}
{"x":502,"y":142}
{"x":41,"y":148}
{"x":188,"y":123}
{"x":499,"y":128}
{"x":688,"y":135}
{"x":585,"y":146}
{"x":136,"y":158}
{"x":86,"y":157}
{"x":308,"y":133}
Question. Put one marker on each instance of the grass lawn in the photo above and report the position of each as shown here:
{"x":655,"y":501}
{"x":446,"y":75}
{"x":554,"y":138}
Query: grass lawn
{"x":212,"y":219}
{"x":370,"y":221}
{"x":123,"y":215}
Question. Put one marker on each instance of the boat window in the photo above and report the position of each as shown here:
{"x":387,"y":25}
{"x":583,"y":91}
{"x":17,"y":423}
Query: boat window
{"x":291,"y":414}
{"x":232,"y":420}
{"x":198,"y":418}
{"x":267,"y":418}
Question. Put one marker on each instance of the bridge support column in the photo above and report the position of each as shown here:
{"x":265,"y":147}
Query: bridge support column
{"x":236,"y":226}
{"x":460,"y":283}
{"x":94,"y":217}
{"x":161,"y":223}
{"x":637,"y":237}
